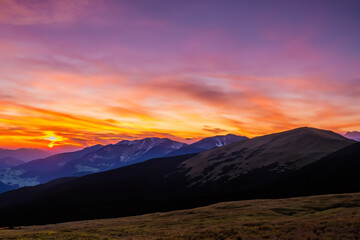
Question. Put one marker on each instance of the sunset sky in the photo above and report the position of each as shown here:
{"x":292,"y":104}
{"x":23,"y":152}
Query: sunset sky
{"x":78,"y":73}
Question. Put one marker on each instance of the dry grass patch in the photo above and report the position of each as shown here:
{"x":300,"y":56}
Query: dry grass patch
{"x":316,"y":217}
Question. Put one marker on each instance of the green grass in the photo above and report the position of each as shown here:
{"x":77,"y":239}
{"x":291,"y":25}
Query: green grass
{"x":318,"y":217}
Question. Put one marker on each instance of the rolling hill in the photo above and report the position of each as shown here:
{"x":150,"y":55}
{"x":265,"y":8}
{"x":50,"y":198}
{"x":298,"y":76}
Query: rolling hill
{"x":8,"y":162}
{"x":334,"y":216}
{"x":277,"y":153}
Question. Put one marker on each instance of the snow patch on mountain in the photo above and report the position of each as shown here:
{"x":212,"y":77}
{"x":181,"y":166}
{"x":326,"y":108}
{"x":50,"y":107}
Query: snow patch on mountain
{"x":221,"y":141}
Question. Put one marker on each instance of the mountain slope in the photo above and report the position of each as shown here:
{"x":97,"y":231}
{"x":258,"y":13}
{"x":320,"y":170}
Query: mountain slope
{"x":121,"y":154}
{"x":336,"y":173}
{"x":40,"y":170}
{"x":7,"y":162}
{"x":277,"y":152}
{"x":101,"y":158}
{"x":355,"y":135}
{"x":89,"y":160}
{"x":207,"y":143}
{"x":217,"y":141}
{"x":166,"y":183}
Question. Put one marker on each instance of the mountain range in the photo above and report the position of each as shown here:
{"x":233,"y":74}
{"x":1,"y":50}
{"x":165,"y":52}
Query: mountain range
{"x":23,"y":154}
{"x":298,"y":162}
{"x":7,"y":162}
{"x":101,"y":158}
{"x":207,"y":143}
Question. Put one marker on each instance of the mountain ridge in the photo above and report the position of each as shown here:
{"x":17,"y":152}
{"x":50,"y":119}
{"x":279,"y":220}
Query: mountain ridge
{"x":257,"y":152}
{"x":92,"y":159}
{"x":23,"y":154}
{"x":163,"y":184}
{"x":7,"y":162}
{"x":207,"y":143}
{"x":355,"y":135}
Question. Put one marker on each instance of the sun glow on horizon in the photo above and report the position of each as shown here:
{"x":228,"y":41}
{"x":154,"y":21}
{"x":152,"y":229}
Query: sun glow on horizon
{"x":53,"y":138}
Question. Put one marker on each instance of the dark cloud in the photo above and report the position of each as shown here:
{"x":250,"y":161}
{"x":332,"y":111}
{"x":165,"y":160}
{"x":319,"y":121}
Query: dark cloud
{"x":214,"y":130}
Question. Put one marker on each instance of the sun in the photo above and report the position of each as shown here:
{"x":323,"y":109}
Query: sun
{"x":53,"y":138}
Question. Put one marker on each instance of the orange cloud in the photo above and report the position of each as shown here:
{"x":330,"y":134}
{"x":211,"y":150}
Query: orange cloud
{"x":99,"y":71}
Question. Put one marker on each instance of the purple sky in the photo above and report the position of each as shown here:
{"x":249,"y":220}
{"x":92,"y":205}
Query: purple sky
{"x":96,"y":71}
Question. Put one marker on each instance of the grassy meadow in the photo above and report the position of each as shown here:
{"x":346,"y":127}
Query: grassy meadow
{"x":316,"y":217}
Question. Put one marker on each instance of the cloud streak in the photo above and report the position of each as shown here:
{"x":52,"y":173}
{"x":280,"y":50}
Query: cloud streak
{"x":100,"y":71}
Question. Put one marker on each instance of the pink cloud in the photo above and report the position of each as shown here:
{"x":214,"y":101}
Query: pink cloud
{"x":20,"y":12}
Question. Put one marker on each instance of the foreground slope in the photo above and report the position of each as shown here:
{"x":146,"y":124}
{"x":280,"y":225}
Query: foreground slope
{"x":167,"y":183}
{"x":316,"y":217}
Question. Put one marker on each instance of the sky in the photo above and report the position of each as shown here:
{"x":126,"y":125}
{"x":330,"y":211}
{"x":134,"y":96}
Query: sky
{"x":84,"y":72}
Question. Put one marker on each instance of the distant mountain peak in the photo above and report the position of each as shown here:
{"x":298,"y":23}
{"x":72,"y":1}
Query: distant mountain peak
{"x":150,"y":142}
{"x":24,"y":154}
{"x":355,"y":135}
{"x":149,"y":139}
{"x":229,"y":134}
{"x":207,"y":143}
{"x":310,"y":131}
{"x":217,"y":141}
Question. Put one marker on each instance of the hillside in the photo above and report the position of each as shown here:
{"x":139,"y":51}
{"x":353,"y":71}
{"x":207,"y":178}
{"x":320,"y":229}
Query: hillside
{"x":316,"y":217}
{"x":8,"y":162}
{"x":279,"y":152}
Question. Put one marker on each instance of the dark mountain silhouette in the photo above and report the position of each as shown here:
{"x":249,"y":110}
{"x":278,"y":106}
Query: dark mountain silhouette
{"x":316,"y":159}
{"x":7,"y":162}
{"x":207,"y":143}
{"x":335,"y":173}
